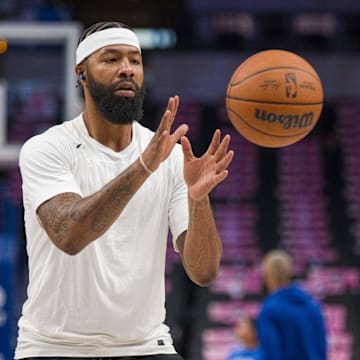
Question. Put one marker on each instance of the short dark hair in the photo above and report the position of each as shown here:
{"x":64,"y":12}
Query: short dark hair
{"x":101,"y":26}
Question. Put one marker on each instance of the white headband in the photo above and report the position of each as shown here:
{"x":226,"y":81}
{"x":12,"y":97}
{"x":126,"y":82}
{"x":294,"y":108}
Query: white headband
{"x":97,"y":40}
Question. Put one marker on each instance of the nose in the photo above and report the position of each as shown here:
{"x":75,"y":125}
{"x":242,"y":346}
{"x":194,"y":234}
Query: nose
{"x":126,"y":69}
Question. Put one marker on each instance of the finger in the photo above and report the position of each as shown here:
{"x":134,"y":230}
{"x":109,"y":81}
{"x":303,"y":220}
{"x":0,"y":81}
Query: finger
{"x":221,"y":176}
{"x":176,"y":103}
{"x":218,"y":178}
{"x":166,"y":119}
{"x":223,"y":148}
{"x":215,"y":141}
{"x":225,"y":162}
{"x":162,"y":141}
{"x":174,"y":109}
{"x":187,"y":150}
{"x":180,"y":132}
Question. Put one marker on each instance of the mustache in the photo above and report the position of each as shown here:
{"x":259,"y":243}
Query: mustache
{"x":120,"y":83}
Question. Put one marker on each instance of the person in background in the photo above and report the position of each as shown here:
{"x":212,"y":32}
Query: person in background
{"x":100,"y":193}
{"x":246,"y":334}
{"x":290,"y":324}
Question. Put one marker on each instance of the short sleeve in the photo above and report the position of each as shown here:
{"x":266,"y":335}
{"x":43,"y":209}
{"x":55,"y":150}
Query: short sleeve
{"x":179,"y":208}
{"x":45,"y":171}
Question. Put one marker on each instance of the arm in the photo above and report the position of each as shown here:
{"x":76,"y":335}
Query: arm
{"x":73,"y":222}
{"x":200,"y":246}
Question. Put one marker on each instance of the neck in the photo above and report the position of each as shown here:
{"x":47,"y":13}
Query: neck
{"x":115,"y":136}
{"x":274,"y":286}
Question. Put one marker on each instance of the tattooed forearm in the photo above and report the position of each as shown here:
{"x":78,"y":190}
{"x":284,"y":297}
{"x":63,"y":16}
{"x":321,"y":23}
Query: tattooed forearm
{"x":76,"y":214}
{"x":73,"y":222}
{"x":118,"y":199}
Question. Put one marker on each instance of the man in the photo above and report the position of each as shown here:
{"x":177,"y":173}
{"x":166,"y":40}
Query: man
{"x":290,"y":324}
{"x":100,"y":193}
{"x":246,"y":334}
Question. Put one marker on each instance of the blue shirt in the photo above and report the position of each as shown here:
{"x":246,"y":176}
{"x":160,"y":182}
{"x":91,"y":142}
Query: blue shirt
{"x":246,"y":354}
{"x":291,"y":326}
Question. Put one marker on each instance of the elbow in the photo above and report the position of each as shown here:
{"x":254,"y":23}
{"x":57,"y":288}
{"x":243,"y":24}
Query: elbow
{"x":204,"y":279}
{"x":72,"y":242}
{"x":70,"y":250}
{"x":69,"y":246}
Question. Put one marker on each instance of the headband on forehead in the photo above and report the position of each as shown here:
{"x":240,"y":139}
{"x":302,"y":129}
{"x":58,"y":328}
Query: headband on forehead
{"x":97,"y":40}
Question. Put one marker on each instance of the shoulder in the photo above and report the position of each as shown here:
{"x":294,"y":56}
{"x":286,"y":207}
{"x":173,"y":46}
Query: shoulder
{"x":271,"y":304}
{"x":55,"y":140}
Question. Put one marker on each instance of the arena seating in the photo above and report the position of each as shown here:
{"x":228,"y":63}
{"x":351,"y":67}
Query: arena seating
{"x":303,"y":227}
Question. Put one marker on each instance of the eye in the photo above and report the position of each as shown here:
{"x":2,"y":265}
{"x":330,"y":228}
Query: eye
{"x":135,"y":61}
{"x":110,"y":60}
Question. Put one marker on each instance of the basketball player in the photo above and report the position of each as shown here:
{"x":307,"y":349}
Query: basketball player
{"x":100,"y":193}
{"x":290,"y":323}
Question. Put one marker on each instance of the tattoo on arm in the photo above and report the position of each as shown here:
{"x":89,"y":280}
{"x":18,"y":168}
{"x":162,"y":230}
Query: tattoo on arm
{"x":70,"y":219}
{"x":110,"y":209}
{"x":54,"y":213}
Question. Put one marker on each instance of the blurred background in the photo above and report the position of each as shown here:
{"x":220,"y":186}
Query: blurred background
{"x":303,"y":198}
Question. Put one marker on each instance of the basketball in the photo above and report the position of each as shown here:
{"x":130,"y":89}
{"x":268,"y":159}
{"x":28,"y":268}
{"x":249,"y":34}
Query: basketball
{"x":274,"y":98}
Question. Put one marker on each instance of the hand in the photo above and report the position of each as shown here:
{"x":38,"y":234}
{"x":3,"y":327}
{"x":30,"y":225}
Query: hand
{"x":163,"y":141}
{"x":204,"y":173}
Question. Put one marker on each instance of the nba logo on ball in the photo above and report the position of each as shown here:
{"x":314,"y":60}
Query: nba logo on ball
{"x":290,"y":80}
{"x":274,"y":98}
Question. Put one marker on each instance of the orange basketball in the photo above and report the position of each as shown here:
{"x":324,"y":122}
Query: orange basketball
{"x":274,"y":98}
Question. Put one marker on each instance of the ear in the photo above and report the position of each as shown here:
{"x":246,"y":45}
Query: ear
{"x":79,"y":70}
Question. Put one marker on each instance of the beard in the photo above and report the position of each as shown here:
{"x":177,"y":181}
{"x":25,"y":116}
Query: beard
{"x":117,"y":109}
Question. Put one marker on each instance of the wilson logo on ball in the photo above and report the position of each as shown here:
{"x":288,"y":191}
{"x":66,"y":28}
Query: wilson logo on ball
{"x":288,"y":121}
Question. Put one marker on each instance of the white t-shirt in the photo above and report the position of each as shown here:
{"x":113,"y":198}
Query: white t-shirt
{"x":108,"y":300}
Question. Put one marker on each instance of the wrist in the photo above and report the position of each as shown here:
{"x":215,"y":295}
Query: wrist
{"x":143,"y":164}
{"x":200,"y":201}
